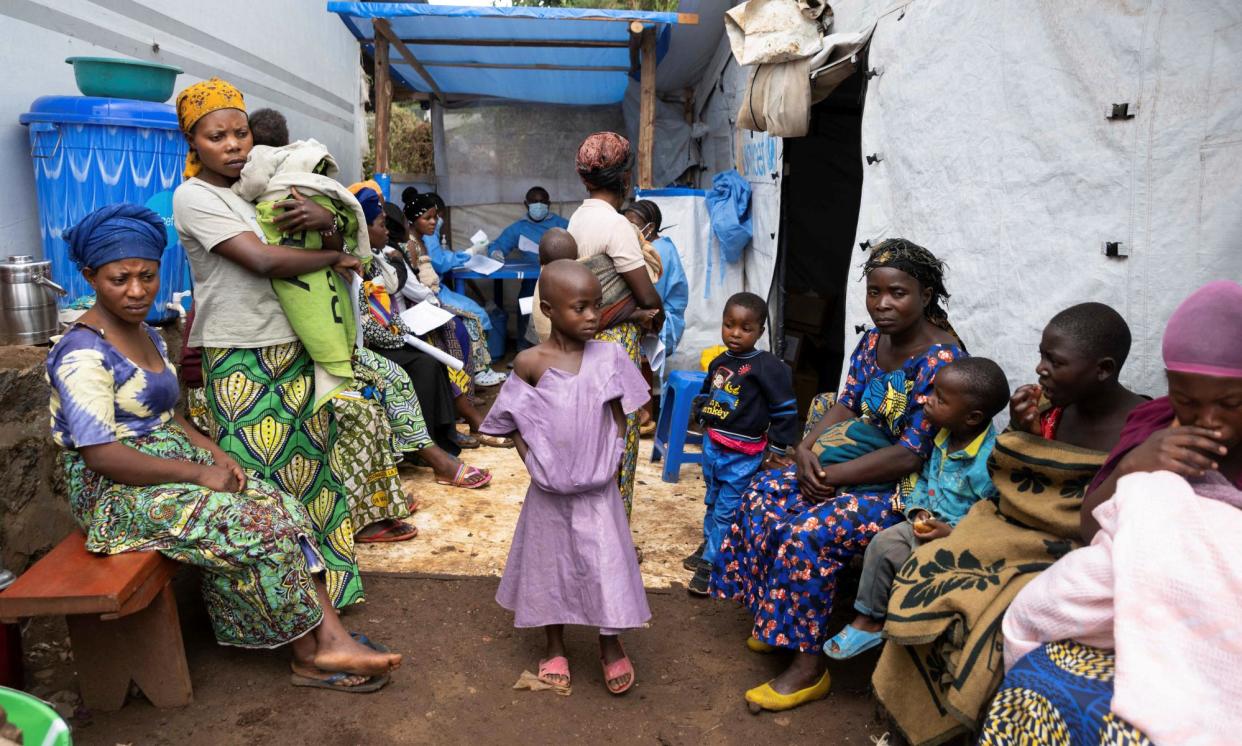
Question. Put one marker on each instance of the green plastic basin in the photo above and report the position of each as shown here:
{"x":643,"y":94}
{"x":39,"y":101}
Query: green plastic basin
{"x":39,"y":723}
{"x":112,"y":77}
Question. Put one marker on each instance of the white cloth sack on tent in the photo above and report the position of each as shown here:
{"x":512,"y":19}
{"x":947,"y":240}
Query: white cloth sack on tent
{"x":779,"y":96}
{"x":768,"y":31}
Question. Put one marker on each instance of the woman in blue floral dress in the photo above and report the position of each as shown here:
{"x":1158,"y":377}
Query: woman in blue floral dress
{"x":141,"y":479}
{"x":801,"y":525}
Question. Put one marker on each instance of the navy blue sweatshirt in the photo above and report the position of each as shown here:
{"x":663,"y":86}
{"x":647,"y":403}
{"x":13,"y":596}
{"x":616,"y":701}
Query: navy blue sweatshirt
{"x":749,"y":396}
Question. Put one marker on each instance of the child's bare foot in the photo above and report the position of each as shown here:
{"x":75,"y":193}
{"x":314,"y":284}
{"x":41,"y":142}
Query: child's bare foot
{"x":349,"y":656}
{"x":611,"y":652}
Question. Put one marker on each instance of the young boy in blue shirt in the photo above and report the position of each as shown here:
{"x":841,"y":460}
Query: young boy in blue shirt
{"x":750,"y":416}
{"x":966,"y":395}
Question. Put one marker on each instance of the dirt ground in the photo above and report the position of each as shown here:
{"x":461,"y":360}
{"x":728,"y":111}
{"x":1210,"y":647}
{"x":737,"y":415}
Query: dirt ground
{"x":467,"y":532}
{"x":462,"y":658}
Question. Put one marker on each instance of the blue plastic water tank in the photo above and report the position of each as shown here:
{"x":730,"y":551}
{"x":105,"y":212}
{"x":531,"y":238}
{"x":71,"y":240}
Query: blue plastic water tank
{"x":92,"y":152}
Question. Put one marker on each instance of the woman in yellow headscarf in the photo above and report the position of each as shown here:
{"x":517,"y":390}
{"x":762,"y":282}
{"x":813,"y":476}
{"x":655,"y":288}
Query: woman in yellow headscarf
{"x":258,"y":378}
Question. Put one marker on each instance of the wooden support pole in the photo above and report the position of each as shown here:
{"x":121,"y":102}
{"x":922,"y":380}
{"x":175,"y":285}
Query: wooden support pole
{"x":646,"y":109}
{"x":383,"y":104}
{"x":382,"y":29}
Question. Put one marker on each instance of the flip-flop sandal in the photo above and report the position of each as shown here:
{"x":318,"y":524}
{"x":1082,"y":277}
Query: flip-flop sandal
{"x":616,"y":670}
{"x":851,"y":641}
{"x":414,"y":505}
{"x":373,"y":684}
{"x":491,"y":441}
{"x":464,"y":475}
{"x":558,"y":666}
{"x":466,"y":441}
{"x":647,"y":429}
{"x":398,"y":531}
{"x":362,"y":639}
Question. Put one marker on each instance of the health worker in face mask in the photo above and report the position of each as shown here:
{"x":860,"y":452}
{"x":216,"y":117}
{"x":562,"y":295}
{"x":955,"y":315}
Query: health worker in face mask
{"x":525,"y":234}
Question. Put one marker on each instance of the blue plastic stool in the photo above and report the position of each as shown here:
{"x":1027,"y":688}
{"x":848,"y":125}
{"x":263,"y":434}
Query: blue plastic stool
{"x":672,"y":429}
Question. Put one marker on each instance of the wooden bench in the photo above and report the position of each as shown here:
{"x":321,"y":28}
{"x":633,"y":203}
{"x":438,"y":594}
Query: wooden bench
{"x":122,"y":617}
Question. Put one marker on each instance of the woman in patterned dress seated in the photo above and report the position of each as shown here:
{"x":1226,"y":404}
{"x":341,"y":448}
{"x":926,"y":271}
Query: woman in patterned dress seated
{"x":799,"y":526}
{"x":141,"y":478}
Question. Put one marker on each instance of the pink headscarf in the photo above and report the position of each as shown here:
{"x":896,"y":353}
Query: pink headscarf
{"x":1203,"y":332}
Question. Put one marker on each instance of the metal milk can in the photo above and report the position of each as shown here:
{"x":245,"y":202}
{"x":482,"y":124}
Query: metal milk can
{"x":27,"y":301}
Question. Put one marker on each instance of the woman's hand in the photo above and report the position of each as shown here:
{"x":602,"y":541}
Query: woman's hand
{"x":219,"y":478}
{"x":1187,"y":451}
{"x":346,"y":264}
{"x":811,"y":475}
{"x":225,"y":460}
{"x":301,"y":214}
{"x":1024,"y":409}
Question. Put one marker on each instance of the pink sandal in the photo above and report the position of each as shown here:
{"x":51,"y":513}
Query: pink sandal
{"x":616,"y":670}
{"x":468,"y":478}
{"x":558,"y":666}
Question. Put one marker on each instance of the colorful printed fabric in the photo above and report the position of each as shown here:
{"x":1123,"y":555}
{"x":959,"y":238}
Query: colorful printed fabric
{"x":782,"y":557}
{"x":196,"y":102}
{"x":363,"y":463}
{"x":261,"y":401}
{"x":893,"y":400}
{"x":253,"y":547}
{"x":395,"y":391}
{"x":197,"y":411}
{"x":100,"y":396}
{"x":480,"y":358}
{"x":627,"y":335}
{"x":1059,"y":694}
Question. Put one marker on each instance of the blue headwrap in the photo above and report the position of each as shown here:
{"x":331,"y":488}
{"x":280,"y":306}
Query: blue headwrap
{"x":116,"y":232}
{"x":371,"y":203}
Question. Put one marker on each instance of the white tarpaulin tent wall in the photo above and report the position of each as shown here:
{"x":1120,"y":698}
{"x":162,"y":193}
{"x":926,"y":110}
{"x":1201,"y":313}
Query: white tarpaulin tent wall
{"x":997,"y":152}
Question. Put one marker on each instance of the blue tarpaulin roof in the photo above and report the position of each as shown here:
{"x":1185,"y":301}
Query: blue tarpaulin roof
{"x":547,"y":55}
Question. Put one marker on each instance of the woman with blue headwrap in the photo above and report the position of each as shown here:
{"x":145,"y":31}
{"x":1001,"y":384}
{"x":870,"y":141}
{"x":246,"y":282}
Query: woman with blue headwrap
{"x":141,"y":478}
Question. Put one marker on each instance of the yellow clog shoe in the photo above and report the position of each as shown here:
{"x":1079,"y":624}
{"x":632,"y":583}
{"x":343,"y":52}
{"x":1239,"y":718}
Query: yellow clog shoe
{"x":769,"y":699}
{"x":759,"y":646}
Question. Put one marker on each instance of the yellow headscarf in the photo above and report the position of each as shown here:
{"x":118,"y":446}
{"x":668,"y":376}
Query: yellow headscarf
{"x":368,"y":184}
{"x":198,"y":101}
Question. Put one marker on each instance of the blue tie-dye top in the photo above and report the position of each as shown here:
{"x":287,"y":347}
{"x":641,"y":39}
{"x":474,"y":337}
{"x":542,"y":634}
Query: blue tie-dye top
{"x":100,"y":396}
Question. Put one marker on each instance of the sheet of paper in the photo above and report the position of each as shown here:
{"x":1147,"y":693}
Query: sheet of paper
{"x":653,"y":349}
{"x":479,"y":237}
{"x":355,"y":293}
{"x":527,"y":245}
{"x":526,"y":305}
{"x":424,"y":317}
{"x":484,"y":265}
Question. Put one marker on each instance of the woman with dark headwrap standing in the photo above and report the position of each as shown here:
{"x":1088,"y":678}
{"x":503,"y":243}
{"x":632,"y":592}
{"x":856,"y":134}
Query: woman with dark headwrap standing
{"x":140,"y":478}
{"x":258,"y":377}
{"x":799,"y":526}
{"x":604,"y":163}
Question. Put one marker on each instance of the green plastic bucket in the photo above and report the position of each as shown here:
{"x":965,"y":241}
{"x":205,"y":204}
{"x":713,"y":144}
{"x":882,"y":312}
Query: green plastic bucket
{"x":38,"y":722}
{"x":113,"y":77}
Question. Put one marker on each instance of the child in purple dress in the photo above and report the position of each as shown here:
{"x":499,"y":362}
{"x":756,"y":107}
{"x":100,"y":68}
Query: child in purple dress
{"x":572,"y":559}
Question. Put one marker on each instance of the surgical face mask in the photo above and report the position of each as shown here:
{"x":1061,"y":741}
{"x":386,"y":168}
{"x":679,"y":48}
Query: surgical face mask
{"x":537,"y":211}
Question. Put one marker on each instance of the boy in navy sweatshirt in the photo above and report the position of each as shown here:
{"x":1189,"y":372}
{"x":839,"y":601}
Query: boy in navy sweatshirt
{"x":750,"y":417}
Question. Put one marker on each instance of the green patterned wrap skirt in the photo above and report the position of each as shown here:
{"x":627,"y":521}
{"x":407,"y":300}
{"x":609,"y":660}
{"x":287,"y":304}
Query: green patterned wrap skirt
{"x":254,"y":547}
{"x":363,"y":462}
{"x":261,"y":400}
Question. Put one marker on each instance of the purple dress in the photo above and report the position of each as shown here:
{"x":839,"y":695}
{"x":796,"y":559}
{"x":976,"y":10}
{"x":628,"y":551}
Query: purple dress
{"x":572,"y":560}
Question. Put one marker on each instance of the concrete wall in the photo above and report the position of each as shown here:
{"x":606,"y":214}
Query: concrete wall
{"x":287,"y":54}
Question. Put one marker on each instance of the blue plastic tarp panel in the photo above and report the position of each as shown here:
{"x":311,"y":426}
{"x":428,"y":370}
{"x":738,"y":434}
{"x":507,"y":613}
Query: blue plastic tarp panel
{"x":603,"y":82}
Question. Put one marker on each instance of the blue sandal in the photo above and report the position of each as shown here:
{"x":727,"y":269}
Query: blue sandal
{"x":852,"y":641}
